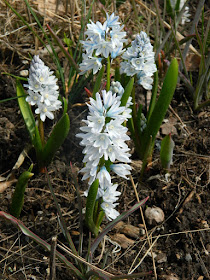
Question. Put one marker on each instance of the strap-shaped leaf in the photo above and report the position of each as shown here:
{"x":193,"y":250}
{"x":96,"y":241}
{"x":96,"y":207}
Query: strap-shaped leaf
{"x":26,"y":110}
{"x":56,"y":139}
{"x":90,"y":204}
{"x":161,"y":107}
{"x":154,"y":96}
{"x":127,"y":92}
{"x":18,"y":196}
{"x":166,"y":151}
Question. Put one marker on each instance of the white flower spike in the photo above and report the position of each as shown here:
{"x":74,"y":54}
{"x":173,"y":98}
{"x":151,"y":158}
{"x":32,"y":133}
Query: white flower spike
{"x":42,"y":89}
{"x":104,"y":139}
{"x":139,"y":59}
{"x":102,"y":41}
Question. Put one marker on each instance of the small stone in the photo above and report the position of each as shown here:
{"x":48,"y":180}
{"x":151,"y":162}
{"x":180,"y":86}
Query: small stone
{"x":154,"y":215}
{"x":170,"y":277}
{"x":24,"y":73}
{"x":142,"y":231}
{"x":188,"y":257}
{"x":161,"y":258}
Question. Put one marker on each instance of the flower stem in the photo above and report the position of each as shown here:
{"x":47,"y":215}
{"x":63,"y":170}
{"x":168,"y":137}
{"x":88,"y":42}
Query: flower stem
{"x":41,"y":131}
{"x":108,"y":66}
{"x":100,"y":218}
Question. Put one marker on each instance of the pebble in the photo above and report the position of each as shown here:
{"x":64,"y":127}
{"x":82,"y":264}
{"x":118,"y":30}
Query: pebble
{"x":24,"y":73}
{"x":188,"y":257}
{"x":154,"y":215}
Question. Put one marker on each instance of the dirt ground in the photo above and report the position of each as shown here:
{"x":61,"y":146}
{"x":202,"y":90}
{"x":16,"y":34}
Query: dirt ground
{"x":182,"y":246}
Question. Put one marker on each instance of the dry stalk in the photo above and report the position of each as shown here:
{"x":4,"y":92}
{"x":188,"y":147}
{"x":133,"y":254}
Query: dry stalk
{"x":179,"y":36}
{"x":145,"y":227}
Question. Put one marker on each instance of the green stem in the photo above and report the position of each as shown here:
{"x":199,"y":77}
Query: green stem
{"x":147,"y":155}
{"x":100,"y":218}
{"x":41,"y":131}
{"x":108,"y":74}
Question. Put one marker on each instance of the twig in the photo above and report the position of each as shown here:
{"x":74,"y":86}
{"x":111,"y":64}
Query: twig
{"x":52,"y":258}
{"x":177,"y":116}
{"x":179,"y":35}
{"x":145,"y":227}
{"x":67,"y":250}
{"x":150,"y":249}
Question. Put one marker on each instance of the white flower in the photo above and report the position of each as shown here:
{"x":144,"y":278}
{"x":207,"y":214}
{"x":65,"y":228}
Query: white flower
{"x":139,"y":59}
{"x":186,"y":14}
{"x":117,"y":88}
{"x":44,"y":111}
{"x":90,"y":63}
{"x":145,"y":81}
{"x":104,"y":48}
{"x":111,"y":194}
{"x":109,"y":210}
{"x":104,"y":178}
{"x":33,"y":98}
{"x":112,"y":21}
{"x":96,"y":122}
{"x":121,"y":169}
{"x":103,"y":138}
{"x":102,"y":41}
{"x":42,"y":89}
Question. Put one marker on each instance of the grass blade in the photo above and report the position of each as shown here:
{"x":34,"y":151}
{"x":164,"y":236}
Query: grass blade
{"x":65,"y":52}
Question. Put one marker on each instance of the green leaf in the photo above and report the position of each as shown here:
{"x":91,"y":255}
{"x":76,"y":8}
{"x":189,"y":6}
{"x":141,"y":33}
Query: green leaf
{"x":98,"y":82}
{"x":65,"y":105}
{"x":56,"y":139}
{"x":147,"y":156}
{"x":26,"y":110}
{"x":29,"y":121}
{"x":18,"y":196}
{"x":177,"y":6}
{"x":161,"y":107}
{"x":166,"y":151}
{"x":154,"y":96}
{"x":127,"y":92}
{"x":90,"y":204}
{"x":114,"y":222}
{"x":138,"y":119}
{"x":42,"y":242}
{"x":169,"y":8}
{"x":117,"y":76}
